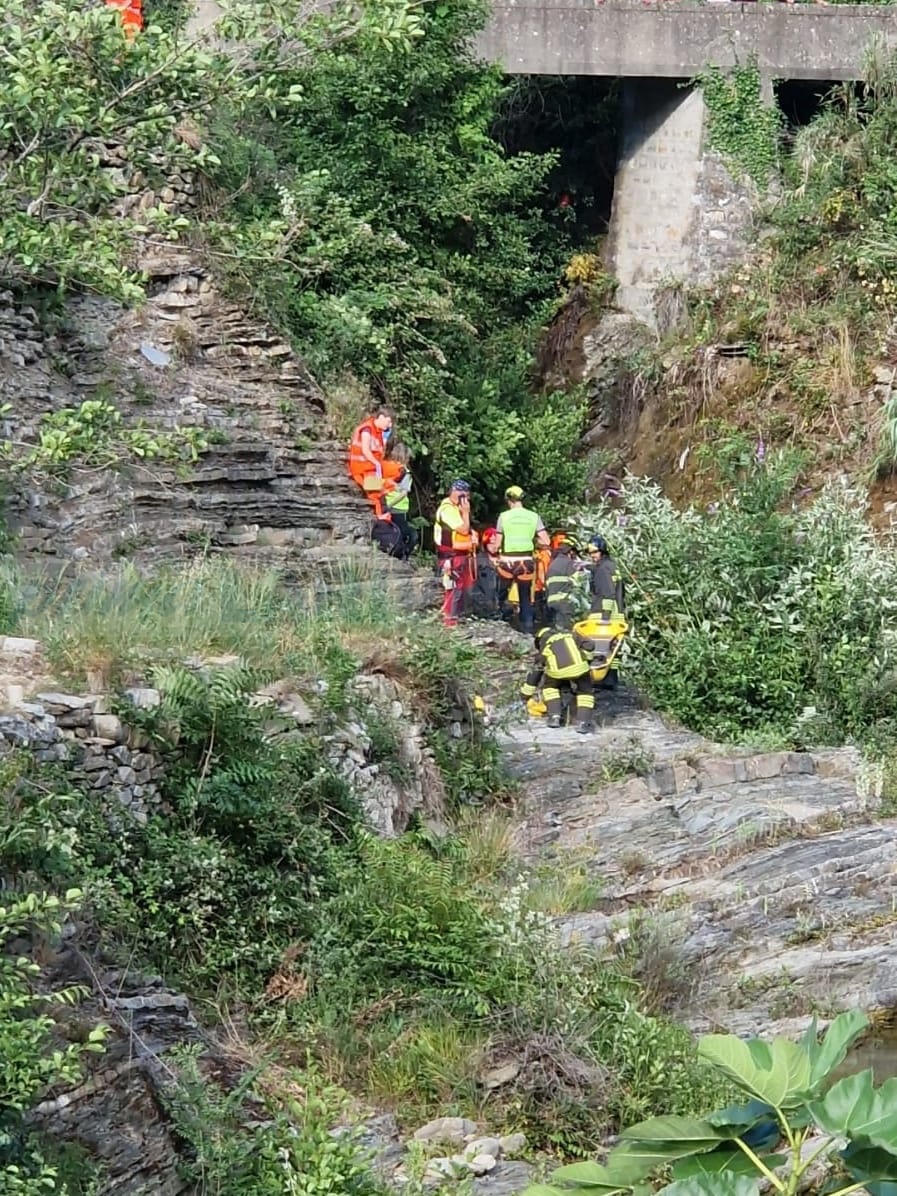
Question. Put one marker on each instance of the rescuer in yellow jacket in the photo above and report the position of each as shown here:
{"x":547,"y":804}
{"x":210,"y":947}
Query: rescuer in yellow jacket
{"x":522,"y":532}
{"x":560,"y":664}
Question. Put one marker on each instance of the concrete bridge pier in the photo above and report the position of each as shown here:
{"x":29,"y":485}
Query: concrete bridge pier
{"x":677,"y":216}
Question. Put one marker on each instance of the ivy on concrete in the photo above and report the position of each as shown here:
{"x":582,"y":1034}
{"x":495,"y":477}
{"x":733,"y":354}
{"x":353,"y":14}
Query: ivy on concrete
{"x":742,"y":127}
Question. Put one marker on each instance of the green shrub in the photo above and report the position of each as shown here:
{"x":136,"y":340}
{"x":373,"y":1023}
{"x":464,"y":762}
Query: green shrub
{"x":749,"y":613}
{"x":33,"y":834}
{"x":379,"y":220}
{"x":293,"y":1151}
{"x":218,"y":888}
{"x":406,"y":922}
{"x":424,"y":973}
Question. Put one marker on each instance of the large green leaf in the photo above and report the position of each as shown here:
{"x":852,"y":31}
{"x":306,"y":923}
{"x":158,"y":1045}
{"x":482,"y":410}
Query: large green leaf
{"x":737,"y":1118}
{"x":832,"y":1051}
{"x":672,"y":1129}
{"x":660,"y":1140}
{"x":712,"y":1185}
{"x":870,"y":1162}
{"x":854,"y":1108}
{"x":649,"y":1155}
{"x":593,"y":1177}
{"x":733,"y":1162}
{"x":777,"y":1072}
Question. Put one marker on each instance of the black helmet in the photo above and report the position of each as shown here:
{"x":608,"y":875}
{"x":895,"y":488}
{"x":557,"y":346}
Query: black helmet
{"x":598,"y":544}
{"x":542,"y":635}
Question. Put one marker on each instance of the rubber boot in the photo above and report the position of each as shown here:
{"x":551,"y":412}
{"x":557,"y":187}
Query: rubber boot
{"x":586,"y":727}
{"x":554,"y":720}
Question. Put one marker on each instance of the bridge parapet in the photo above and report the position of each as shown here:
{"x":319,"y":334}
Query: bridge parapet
{"x":674,"y":40}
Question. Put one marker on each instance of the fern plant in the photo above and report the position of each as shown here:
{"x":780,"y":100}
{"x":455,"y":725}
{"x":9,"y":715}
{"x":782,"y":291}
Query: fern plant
{"x":222,"y":758}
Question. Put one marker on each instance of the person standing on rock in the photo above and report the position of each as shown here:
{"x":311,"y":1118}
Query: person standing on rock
{"x":368,"y":465}
{"x":456,"y":544}
{"x":561,"y":664}
{"x":521,"y":531}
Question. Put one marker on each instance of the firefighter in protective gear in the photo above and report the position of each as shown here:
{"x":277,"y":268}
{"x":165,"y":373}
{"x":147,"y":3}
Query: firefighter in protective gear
{"x":522,"y":532}
{"x":560,"y":585}
{"x":606,"y":588}
{"x":456,"y":544}
{"x":368,"y":466}
{"x":561,"y":663}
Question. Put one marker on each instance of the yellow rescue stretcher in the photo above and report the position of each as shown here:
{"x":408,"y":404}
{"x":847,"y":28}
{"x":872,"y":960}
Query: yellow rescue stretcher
{"x":606,"y":630}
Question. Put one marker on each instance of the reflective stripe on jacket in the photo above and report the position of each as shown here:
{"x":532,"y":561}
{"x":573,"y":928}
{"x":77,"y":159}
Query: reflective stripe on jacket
{"x":562,"y":657}
{"x":559,"y":586}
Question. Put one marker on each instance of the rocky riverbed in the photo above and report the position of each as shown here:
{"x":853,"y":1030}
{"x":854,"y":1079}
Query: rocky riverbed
{"x":769,"y":879}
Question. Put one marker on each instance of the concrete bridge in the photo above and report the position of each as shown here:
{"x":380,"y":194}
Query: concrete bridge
{"x":668,"y":40}
{"x":678,"y":216}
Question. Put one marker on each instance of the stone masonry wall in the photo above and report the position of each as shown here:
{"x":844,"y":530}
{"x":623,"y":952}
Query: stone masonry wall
{"x":678,"y":215}
{"x":78,"y":733}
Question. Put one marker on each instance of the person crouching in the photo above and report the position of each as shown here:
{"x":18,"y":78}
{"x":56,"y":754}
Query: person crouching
{"x":561,"y":664}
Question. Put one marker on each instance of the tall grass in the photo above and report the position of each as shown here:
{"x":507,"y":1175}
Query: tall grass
{"x":111,"y":624}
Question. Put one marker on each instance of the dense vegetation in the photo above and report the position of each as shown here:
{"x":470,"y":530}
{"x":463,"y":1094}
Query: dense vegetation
{"x":402,"y":970}
{"x":354,"y":190}
{"x":760,"y":617}
{"x":387,"y":202}
{"x":810,"y":312}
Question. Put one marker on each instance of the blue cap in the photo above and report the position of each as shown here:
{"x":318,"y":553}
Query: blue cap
{"x":460,"y":484}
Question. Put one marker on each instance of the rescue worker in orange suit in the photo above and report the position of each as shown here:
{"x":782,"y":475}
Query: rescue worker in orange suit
{"x":561,"y":663}
{"x":367,"y":457}
{"x":131,"y":15}
{"x":522,"y":531}
{"x":456,"y":544}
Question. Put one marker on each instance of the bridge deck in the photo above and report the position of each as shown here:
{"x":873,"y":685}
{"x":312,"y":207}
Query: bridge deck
{"x":667,"y":39}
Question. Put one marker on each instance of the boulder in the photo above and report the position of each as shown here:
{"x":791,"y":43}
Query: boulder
{"x":454,"y":1130}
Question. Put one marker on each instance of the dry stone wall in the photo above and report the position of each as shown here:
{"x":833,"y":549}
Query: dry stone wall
{"x":95,"y":748}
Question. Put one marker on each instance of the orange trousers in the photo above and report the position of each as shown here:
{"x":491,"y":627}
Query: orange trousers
{"x":390,"y":474}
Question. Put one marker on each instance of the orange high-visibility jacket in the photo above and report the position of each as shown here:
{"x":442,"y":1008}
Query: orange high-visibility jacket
{"x":131,"y":14}
{"x":357,"y":459}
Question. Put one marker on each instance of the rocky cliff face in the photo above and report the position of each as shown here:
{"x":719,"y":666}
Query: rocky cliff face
{"x":269,"y":481}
